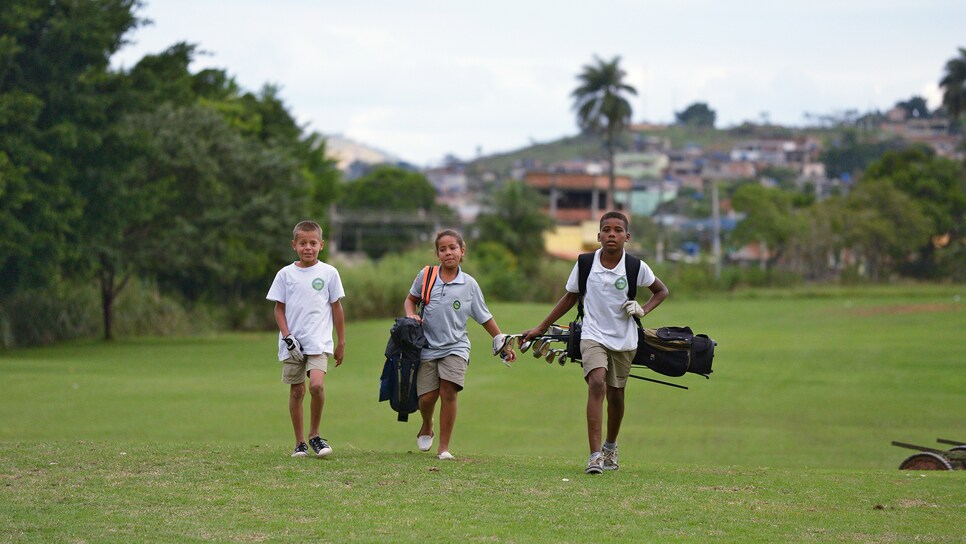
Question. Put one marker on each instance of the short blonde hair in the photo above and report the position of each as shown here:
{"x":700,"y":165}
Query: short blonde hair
{"x":306,"y":226}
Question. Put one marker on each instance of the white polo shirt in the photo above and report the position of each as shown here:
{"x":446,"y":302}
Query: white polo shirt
{"x":604,"y":320}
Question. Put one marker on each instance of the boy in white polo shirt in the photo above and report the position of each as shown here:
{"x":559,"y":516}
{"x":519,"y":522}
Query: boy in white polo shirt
{"x":308,"y":305}
{"x":609,"y":334}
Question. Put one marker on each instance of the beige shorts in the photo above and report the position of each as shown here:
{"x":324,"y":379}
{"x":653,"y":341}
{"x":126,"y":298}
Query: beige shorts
{"x":295,"y":373}
{"x":451,"y":368}
{"x":618,"y":363}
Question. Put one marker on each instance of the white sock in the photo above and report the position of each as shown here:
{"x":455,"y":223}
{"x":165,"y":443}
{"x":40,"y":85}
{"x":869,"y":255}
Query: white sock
{"x":610,"y":446}
{"x":595,"y":455}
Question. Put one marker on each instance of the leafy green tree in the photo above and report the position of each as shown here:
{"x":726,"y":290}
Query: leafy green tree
{"x":602,"y":107}
{"x":53,"y":57}
{"x":513,"y":219}
{"x":850,"y":155}
{"x":883,"y":226}
{"x":915,"y":107}
{"x":938,"y":187}
{"x":771,"y":218}
{"x":953,"y":84}
{"x":696,"y":115}
{"x":389,"y":210}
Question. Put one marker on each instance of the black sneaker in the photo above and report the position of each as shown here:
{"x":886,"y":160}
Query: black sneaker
{"x":319,"y":446}
{"x":301,"y":450}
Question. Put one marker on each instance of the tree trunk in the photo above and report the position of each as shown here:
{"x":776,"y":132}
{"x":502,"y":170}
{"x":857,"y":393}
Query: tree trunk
{"x":109,"y":292}
{"x":107,"y":303}
{"x":611,"y":180}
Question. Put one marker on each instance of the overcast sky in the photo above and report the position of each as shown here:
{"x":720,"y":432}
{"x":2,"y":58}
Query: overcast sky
{"x":421,"y":79}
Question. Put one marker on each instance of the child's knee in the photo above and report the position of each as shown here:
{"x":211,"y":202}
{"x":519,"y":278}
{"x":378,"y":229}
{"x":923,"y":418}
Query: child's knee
{"x":297,"y":392}
{"x":316,"y":389}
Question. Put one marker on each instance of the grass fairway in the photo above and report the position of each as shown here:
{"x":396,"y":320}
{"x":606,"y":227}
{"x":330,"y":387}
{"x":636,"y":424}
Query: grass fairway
{"x":188,"y":439}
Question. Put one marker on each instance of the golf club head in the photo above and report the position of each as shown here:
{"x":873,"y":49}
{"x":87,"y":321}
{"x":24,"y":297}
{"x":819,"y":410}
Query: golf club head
{"x":556,"y":330}
{"x":524,"y":346}
{"x":538,"y":346}
{"x":563,"y":358}
{"x":551,"y":356}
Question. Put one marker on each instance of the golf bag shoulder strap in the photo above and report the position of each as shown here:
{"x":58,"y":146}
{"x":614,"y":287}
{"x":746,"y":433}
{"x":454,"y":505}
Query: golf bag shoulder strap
{"x":632,"y":269}
{"x":430,"y":273}
{"x":585,"y":261}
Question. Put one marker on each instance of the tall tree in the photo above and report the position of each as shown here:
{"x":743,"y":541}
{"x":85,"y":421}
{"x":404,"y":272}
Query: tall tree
{"x":602,"y":107}
{"x":953,"y":84}
{"x":771,"y":218}
{"x":697,"y":115}
{"x":938,"y":187}
{"x":513,"y":220}
{"x":53,"y":58}
{"x":883,"y":226}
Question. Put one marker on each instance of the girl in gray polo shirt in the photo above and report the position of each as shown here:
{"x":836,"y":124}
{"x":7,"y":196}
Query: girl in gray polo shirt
{"x":455,"y":298}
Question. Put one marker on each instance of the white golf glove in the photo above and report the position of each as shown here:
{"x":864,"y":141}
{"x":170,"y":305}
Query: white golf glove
{"x":500,"y":343}
{"x":632,"y":308}
{"x":294,"y":348}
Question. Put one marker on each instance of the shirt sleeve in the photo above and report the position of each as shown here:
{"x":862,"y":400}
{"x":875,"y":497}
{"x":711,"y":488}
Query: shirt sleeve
{"x":277,"y":291}
{"x":481,"y":314}
{"x":646,"y":276}
{"x":417,"y":288}
{"x":336,"y":291}
{"x":572,"y":282}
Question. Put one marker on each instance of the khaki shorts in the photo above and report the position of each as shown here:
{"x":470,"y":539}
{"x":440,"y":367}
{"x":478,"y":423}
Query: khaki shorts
{"x":451,"y":368}
{"x":295,"y":373}
{"x":618,"y":363}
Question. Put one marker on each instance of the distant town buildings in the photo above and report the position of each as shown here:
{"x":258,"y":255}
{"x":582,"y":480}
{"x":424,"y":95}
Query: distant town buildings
{"x":651,"y":173}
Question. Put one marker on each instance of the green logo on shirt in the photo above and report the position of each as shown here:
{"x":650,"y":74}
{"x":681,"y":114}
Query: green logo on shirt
{"x":456,"y":305}
{"x":318,"y":284}
{"x":621,"y":283}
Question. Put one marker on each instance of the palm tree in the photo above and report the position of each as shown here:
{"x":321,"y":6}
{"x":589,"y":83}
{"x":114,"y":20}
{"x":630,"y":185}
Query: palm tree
{"x":954,"y":84}
{"x":602,"y":108}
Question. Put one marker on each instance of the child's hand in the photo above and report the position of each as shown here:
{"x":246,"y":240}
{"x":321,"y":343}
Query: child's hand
{"x":633,"y":308}
{"x":339,"y":354}
{"x":294,"y":348}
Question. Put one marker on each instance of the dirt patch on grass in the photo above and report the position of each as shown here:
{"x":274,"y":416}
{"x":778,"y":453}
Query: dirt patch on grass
{"x":906,"y":309}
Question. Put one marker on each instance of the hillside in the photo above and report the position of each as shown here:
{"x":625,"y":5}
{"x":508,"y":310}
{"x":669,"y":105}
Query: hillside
{"x":590,"y":147}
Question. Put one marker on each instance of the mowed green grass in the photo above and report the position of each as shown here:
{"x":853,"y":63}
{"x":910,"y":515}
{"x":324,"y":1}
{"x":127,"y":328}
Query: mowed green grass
{"x":188,"y":439}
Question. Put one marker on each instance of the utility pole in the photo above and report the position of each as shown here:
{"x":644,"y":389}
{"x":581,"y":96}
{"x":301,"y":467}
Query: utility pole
{"x":716,"y":228}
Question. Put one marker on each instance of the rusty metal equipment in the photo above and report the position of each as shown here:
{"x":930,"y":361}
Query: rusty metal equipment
{"x":934,"y":459}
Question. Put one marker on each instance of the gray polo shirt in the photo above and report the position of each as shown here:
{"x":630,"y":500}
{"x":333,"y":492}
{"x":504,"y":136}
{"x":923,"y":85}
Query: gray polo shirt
{"x":444,"y":319}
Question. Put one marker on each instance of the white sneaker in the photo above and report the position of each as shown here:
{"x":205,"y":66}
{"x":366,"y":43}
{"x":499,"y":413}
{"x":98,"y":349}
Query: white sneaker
{"x":595,"y":466}
{"x":610,"y":459}
{"x":424,"y":442}
{"x":445,"y":456}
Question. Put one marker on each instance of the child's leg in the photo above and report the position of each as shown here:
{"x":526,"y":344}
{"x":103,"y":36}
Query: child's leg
{"x":427,"y":405}
{"x":447,"y":413}
{"x":296,"y":394}
{"x":615,"y":412}
{"x":317,"y":391}
{"x":596,"y":391}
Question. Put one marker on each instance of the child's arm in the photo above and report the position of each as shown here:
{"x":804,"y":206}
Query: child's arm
{"x":280,"y":318}
{"x":563,"y":306}
{"x":338,"y":322}
{"x":494,"y":329}
{"x":409,"y":306}
{"x":659,"y":292}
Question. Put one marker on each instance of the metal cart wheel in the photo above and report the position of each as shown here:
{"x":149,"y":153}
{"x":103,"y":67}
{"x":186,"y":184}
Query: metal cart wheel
{"x":926,"y":461}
